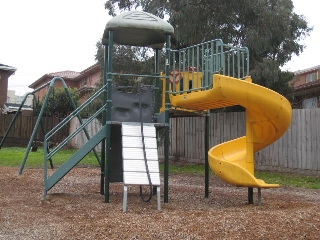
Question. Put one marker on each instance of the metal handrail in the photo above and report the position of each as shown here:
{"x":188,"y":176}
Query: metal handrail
{"x":74,"y":113}
{"x":66,"y":120}
{"x":67,"y":139}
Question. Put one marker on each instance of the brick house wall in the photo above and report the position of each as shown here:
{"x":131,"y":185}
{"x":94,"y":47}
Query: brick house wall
{"x":5,"y":73}
{"x":3,"y":86}
{"x":88,"y":80}
{"x":306,"y":86}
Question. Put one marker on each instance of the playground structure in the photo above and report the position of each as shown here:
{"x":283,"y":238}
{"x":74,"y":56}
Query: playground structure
{"x":193,"y":81}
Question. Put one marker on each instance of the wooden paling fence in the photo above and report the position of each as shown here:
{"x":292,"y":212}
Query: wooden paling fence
{"x":298,"y":150}
{"x":22,"y":128}
{"x":80,"y":139}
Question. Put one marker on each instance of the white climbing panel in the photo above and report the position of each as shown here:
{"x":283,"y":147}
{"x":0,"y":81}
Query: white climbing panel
{"x":134,"y":168}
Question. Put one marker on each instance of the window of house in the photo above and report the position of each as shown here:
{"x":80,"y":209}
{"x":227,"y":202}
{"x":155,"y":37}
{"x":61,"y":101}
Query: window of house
{"x":83,"y":83}
{"x":311,"y":77}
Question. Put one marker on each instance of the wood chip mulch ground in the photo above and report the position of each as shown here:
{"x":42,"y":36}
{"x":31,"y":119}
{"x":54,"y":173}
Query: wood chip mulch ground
{"x":75,"y":209}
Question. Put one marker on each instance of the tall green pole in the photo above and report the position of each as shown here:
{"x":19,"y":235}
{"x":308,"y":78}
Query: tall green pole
{"x":250,"y":195}
{"x":166,"y":112}
{"x":104,"y":118}
{"x":206,"y":146}
{"x":108,"y":119}
{"x":157,"y":87}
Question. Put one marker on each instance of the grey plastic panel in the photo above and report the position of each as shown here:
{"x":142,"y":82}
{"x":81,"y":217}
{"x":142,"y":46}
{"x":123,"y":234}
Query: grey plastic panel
{"x":126,"y":108}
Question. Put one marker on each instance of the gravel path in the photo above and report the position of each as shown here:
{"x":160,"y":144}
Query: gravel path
{"x":74,"y":209}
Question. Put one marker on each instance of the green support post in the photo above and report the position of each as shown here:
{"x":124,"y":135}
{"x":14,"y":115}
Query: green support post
{"x":108,"y":119}
{"x":156,"y":84}
{"x":104,"y":118}
{"x":166,"y":112}
{"x":45,"y":169}
{"x":250,"y":195}
{"x":206,"y":143}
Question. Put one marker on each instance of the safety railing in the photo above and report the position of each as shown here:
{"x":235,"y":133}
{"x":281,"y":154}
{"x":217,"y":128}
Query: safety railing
{"x":194,"y":66}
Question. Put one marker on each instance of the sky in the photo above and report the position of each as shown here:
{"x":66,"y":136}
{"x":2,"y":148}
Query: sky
{"x":44,"y":36}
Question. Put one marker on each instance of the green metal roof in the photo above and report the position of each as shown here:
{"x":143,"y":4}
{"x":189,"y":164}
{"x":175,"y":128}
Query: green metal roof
{"x":137,"y":28}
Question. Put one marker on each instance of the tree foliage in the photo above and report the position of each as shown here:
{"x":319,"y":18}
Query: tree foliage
{"x":59,"y":104}
{"x":128,"y":59}
{"x":269,"y":28}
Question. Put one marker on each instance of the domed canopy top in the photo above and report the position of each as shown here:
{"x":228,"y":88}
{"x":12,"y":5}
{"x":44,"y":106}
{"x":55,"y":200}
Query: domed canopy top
{"x":137,"y":28}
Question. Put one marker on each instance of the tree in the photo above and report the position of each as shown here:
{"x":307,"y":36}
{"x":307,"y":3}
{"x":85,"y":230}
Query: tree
{"x":269,"y":28}
{"x":59,"y":104}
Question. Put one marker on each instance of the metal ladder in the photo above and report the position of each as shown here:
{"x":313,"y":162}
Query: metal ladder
{"x":134,"y":169}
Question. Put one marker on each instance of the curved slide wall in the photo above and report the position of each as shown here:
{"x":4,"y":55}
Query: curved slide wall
{"x":268,"y":115}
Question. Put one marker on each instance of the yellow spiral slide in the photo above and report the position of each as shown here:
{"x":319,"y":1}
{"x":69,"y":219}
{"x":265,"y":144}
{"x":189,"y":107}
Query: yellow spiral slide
{"x":268,"y":115}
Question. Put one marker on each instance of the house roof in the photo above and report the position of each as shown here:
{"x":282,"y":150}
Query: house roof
{"x":307,"y":88}
{"x":11,"y":107}
{"x":64,"y":74}
{"x":70,"y":75}
{"x":67,"y":74}
{"x":94,"y":68}
{"x":303,"y":71}
{"x":91,"y":68}
{"x":309,"y":84}
{"x":7,"y":68}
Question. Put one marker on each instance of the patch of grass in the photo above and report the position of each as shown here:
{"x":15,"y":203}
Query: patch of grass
{"x":294,"y":180}
{"x":13,"y":157}
{"x":284,"y":179}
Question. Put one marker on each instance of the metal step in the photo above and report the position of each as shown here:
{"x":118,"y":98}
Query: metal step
{"x":139,"y":166}
{"x":137,"y":153}
{"x":139,"y":178}
{"x":134,"y":129}
{"x":136,"y":142}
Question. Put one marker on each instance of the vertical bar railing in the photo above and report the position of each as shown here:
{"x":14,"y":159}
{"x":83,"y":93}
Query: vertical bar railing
{"x":208,"y":58}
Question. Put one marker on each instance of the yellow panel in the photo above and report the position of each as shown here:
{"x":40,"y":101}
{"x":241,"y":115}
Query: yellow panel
{"x":184,"y":81}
